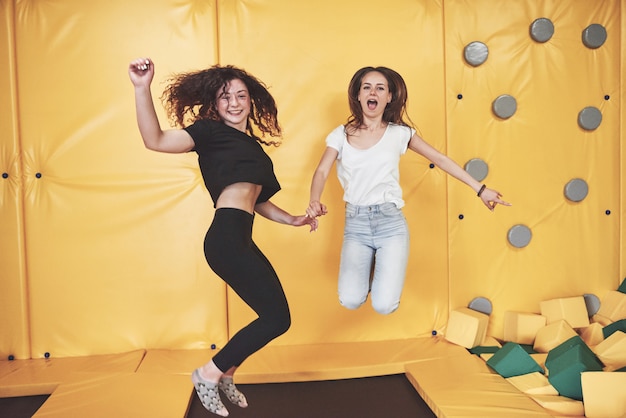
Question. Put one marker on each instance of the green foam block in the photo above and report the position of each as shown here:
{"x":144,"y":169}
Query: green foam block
{"x":615,"y":326}
{"x":557,"y":351}
{"x":512,"y":360}
{"x":481,"y":349}
{"x":565,"y":370}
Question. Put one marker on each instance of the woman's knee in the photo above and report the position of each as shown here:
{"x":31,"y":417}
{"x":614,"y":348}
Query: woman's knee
{"x":277,"y":323}
{"x":352,"y":302}
{"x":283,"y":325}
{"x":385,"y":308}
{"x":385,"y":302}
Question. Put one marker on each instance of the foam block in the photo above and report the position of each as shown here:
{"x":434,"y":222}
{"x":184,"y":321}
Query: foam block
{"x":612,"y":351}
{"x":467,"y":327}
{"x":491,"y":342}
{"x":613,"y":306}
{"x":604,"y":394}
{"x":489,"y":346}
{"x":513,"y":360}
{"x":565,"y":369}
{"x":521,"y":327}
{"x":602,"y":320}
{"x":614,"y":327}
{"x":560,"y":405}
{"x":556,"y":352}
{"x":552,"y":335}
{"x":540,"y":358}
{"x":592,"y":335}
{"x":533,"y":384}
{"x":529,"y":348}
{"x":573,"y":310}
{"x":483,"y":349}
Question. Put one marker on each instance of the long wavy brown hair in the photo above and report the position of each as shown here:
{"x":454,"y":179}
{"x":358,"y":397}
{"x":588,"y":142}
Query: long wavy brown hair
{"x":192,"y":96}
{"x":395,"y":111}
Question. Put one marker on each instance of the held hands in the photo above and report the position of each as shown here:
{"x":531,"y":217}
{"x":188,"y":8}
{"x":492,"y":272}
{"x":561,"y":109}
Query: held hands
{"x":141,"y":72}
{"x":491,"y":198}
{"x":305,"y":220}
{"x":315,"y":209}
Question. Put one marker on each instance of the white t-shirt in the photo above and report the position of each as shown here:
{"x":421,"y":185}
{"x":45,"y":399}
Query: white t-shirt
{"x":371,"y":176}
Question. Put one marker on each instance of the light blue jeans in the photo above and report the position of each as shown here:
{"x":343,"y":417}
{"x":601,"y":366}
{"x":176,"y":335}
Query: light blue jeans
{"x":373,"y":257}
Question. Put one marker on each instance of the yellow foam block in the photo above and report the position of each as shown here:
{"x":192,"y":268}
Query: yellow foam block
{"x":521,"y":327}
{"x":42,"y":376}
{"x":560,"y":405}
{"x":97,"y":395}
{"x":486,"y":356}
{"x":601,"y":319}
{"x":604,"y":394}
{"x":467,"y":327}
{"x":491,"y":342}
{"x":612,"y":351}
{"x":613,"y":306}
{"x":592,"y":335}
{"x":573,"y":310}
{"x":552,"y":335}
{"x":540,"y":358}
{"x":533,"y":384}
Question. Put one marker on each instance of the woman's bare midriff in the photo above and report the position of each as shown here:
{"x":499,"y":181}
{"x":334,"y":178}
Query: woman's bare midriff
{"x":239,"y":196}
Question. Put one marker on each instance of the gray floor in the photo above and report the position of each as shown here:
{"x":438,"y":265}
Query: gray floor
{"x":380,"y":397}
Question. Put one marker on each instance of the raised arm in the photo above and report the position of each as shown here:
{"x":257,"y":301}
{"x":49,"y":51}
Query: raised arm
{"x":316,"y":208}
{"x":489,"y":197}
{"x":141,"y":73}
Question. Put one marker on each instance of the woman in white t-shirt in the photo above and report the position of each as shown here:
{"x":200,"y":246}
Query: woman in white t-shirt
{"x":367,"y":151}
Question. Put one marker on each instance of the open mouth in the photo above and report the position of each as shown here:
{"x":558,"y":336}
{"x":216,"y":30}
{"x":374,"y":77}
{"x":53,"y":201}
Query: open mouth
{"x":371,"y":104}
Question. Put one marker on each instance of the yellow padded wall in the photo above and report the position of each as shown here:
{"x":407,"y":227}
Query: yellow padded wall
{"x":574,"y":248}
{"x":113,"y":231}
{"x":13,"y":295}
{"x":102,"y":240}
{"x":307,"y":52}
{"x":622,"y":120}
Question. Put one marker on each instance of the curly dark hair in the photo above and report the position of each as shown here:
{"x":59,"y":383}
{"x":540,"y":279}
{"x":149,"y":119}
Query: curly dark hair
{"x":192,"y":96}
{"x":395,"y":111}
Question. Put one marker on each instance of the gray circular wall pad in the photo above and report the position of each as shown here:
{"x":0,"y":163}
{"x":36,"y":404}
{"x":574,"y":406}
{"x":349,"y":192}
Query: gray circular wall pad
{"x":504,"y":106}
{"x":541,"y":30}
{"x":576,"y":190}
{"x":475,"y":53}
{"x":594,"y":36}
{"x":477,"y":168}
{"x":519,"y":236}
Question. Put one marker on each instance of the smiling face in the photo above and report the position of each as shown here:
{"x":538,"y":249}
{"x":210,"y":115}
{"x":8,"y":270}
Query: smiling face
{"x":233,"y":104}
{"x":374,"y":94}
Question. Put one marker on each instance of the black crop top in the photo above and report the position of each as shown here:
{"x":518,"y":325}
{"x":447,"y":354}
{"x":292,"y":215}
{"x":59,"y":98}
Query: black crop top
{"x":227,"y":155}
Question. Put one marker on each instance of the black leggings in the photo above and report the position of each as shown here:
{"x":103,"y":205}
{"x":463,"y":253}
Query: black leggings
{"x":233,"y":256}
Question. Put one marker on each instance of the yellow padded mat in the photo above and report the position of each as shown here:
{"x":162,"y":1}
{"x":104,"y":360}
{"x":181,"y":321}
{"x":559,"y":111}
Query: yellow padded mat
{"x":297,"y":363}
{"x":42,"y":376}
{"x":98,"y":395}
{"x":464,"y":386}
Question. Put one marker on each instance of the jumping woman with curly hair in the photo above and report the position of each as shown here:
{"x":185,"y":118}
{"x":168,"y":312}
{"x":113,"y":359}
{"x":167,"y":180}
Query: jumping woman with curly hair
{"x":223,"y":114}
